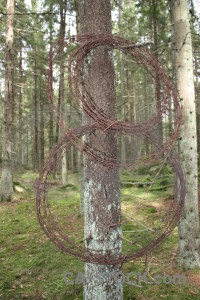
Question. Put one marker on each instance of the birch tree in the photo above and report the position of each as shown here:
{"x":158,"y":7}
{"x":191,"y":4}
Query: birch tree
{"x":7,"y":180}
{"x":189,"y":241}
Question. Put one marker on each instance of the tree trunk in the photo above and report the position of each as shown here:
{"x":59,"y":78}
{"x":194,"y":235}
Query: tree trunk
{"x":50,"y":110}
{"x":41,"y":123}
{"x":76,"y":2}
{"x":197,"y":105}
{"x":101,"y":185}
{"x":36,"y":152}
{"x":72,"y":159}
{"x":155,"y":36}
{"x":146,"y":113}
{"x":27,"y":145}
{"x":13,"y":121}
{"x":123,"y":145}
{"x":189,"y":241}
{"x":21,"y":145}
{"x":64,"y":168}
{"x":63,"y":8}
{"x":7,"y":180}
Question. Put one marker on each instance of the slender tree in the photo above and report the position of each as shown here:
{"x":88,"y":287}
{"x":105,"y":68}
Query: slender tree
{"x":123,"y":146}
{"x":189,"y":241}
{"x":60,"y":106}
{"x":21,"y":142}
{"x":101,"y":185}
{"x":7,"y":180}
{"x":50,"y":110}
{"x":63,"y":9}
{"x":35,"y":99}
{"x":155,"y":38}
{"x":35,"y":95}
{"x":41,"y":98}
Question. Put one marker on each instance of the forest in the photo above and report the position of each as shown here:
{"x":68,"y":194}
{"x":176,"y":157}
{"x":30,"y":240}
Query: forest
{"x":99,"y":149}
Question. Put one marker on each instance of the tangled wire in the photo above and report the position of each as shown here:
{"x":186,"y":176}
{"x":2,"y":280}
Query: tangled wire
{"x":166,"y":95}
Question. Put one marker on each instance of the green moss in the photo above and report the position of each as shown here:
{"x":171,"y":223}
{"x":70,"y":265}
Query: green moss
{"x":151,"y":210}
{"x":32,"y":267}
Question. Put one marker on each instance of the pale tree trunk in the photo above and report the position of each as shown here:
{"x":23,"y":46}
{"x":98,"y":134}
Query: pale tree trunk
{"x":197,"y":105}
{"x":60,"y":106}
{"x":63,"y":8}
{"x":64,"y":155}
{"x":7,"y":180}
{"x":101,"y":185}
{"x":64,"y":169}
{"x":189,"y":241}
{"x":172,"y":67}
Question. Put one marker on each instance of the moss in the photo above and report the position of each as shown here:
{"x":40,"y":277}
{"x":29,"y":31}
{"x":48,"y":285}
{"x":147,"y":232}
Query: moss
{"x":151,"y":210}
{"x":32,"y":267}
{"x":144,"y":170}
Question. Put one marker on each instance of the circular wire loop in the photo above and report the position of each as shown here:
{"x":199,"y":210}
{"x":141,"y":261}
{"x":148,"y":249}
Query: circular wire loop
{"x":167,"y":94}
{"x":52,"y":229}
{"x":104,"y":122}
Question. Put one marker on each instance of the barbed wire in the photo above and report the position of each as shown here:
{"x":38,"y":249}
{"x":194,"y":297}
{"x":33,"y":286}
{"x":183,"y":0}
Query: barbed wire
{"x":140,"y":244}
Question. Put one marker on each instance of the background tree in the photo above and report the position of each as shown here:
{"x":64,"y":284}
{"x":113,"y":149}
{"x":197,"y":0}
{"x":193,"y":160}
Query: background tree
{"x":189,"y":241}
{"x":7,"y":180}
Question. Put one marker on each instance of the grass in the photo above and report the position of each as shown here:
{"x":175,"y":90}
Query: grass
{"x":32,"y":267}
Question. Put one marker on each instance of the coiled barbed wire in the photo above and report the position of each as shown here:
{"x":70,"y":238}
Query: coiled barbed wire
{"x":167,"y":94}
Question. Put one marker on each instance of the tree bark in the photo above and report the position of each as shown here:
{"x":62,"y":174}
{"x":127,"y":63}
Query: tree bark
{"x":146,"y":113}
{"x":7,"y":180}
{"x":50,"y":110}
{"x":189,"y":242}
{"x":63,"y":8}
{"x":21,"y":145}
{"x":13,"y":122}
{"x":123,"y":144}
{"x":101,"y":185}
{"x":197,"y":104}
{"x":41,"y":123}
{"x":36,"y":152}
{"x":155,"y":36}
{"x":27,"y":145}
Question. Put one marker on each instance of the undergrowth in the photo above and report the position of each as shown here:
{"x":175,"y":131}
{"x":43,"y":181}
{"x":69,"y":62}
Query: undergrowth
{"x":32,"y":267}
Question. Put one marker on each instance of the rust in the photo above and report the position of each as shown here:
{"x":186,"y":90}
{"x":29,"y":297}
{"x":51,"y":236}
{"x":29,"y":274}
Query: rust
{"x":101,"y":121}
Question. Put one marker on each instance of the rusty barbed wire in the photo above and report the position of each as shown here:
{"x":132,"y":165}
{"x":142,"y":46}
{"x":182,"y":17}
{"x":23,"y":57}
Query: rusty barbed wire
{"x":79,"y":47}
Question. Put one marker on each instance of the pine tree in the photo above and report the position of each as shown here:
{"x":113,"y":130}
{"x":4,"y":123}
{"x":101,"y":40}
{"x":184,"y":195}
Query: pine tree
{"x":189,"y":240}
{"x":7,"y":180}
{"x":101,"y":185}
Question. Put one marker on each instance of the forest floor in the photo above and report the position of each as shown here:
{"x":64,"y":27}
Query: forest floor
{"x":32,"y":267}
